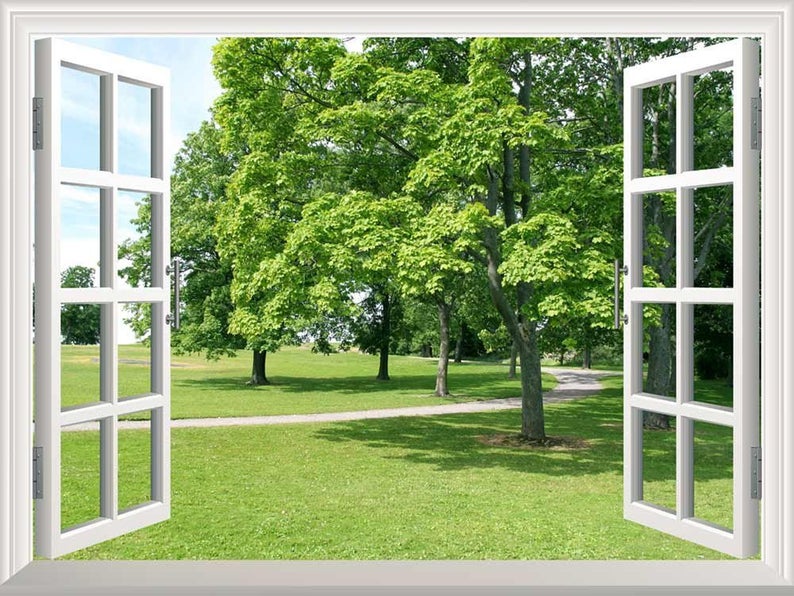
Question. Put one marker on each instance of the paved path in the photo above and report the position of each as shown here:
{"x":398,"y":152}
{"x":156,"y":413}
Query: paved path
{"x":572,"y":383}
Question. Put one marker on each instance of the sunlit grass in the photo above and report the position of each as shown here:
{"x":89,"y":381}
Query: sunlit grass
{"x":302,"y":382}
{"x":405,"y":488}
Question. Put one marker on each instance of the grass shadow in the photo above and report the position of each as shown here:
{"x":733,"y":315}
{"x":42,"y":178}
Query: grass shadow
{"x":484,"y":385}
{"x":449,"y":442}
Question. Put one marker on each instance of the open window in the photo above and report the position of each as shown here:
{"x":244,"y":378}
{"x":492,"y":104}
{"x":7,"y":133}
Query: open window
{"x":735,"y":191}
{"x":88,"y":184}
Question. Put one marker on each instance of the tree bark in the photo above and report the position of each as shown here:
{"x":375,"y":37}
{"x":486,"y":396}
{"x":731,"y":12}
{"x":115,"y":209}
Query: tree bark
{"x":385,"y":330}
{"x":258,"y":376}
{"x":443,"y":350}
{"x":533,"y":425}
{"x":587,"y":357}
{"x":511,"y":371}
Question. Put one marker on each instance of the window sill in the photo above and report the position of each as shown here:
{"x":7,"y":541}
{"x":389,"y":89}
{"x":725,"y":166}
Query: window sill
{"x":394,"y":577}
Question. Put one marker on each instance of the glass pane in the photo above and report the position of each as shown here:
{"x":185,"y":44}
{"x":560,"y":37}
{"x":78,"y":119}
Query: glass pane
{"x":135,"y":460}
{"x":134,"y":370}
{"x":713,"y":236}
{"x":134,"y":210}
{"x":713,"y":119}
{"x":713,"y":470}
{"x":658,"y":466}
{"x":659,"y":350}
{"x":713,"y":349}
{"x":134,"y":129}
{"x":659,"y":240}
{"x":80,"y":236}
{"x":659,"y":114}
{"x":80,"y":117}
{"x":80,"y":354}
{"x":80,"y":464}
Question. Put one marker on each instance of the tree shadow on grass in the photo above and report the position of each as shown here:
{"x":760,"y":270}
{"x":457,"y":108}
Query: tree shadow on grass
{"x":490,"y":385}
{"x":449,"y":442}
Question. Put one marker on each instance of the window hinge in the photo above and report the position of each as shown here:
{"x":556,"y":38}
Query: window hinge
{"x":756,"y":112}
{"x":755,"y":473}
{"x":38,"y":116}
{"x":38,"y":482}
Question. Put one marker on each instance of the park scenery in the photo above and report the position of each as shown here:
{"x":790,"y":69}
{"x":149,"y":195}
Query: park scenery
{"x":396,"y":336}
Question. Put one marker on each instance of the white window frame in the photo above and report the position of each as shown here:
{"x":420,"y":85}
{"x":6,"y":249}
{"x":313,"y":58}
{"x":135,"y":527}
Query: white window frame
{"x":772,"y":21}
{"x":742,"y":56}
{"x":51,"y":540}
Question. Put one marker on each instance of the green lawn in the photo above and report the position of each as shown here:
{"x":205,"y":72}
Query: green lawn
{"x":302,"y":382}
{"x":401,"y":488}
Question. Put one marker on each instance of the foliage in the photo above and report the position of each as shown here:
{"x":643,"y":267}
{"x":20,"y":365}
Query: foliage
{"x":198,"y":188}
{"x":80,"y":323}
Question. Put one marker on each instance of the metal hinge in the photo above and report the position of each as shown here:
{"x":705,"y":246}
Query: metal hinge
{"x":38,"y":481}
{"x":38,"y":116}
{"x":756,"y":111}
{"x":755,"y":473}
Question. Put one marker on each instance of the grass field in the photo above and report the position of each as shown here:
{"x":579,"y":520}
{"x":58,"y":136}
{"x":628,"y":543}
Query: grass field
{"x":302,"y":382}
{"x":403,"y":488}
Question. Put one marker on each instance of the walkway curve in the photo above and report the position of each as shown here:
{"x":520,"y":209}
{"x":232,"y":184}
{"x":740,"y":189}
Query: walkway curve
{"x":572,"y":383}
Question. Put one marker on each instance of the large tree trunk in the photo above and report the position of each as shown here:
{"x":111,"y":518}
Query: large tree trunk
{"x":511,"y":371}
{"x":443,"y":350}
{"x":532,"y":420}
{"x":258,"y":376}
{"x":385,"y":336}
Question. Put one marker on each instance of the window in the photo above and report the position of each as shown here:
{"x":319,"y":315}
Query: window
{"x":19,"y":20}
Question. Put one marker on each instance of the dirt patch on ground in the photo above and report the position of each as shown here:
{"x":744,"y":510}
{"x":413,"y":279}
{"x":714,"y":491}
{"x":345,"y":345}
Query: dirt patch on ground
{"x":519,"y":442}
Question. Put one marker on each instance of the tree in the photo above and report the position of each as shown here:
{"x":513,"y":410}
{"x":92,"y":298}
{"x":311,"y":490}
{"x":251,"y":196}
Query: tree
{"x":80,"y":323}
{"x":434,"y":266}
{"x":268,"y":101}
{"x":202,"y":170}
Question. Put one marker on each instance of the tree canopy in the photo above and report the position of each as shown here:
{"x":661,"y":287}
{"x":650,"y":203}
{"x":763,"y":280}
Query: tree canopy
{"x":337,"y":196}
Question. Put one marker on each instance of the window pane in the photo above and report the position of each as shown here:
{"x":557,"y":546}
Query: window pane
{"x":713,"y":351}
{"x":659,"y":115}
{"x":659,"y":240}
{"x":134,"y":129}
{"x":81,"y":326}
{"x":713,"y":119}
{"x":658,"y":466}
{"x":714,"y":474}
{"x":80,"y":485}
{"x":135,"y":461}
{"x":713,"y":236}
{"x":658,"y":350}
{"x":134,"y":218}
{"x":135,"y":366}
{"x":80,"y":236}
{"x":80,"y":117}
